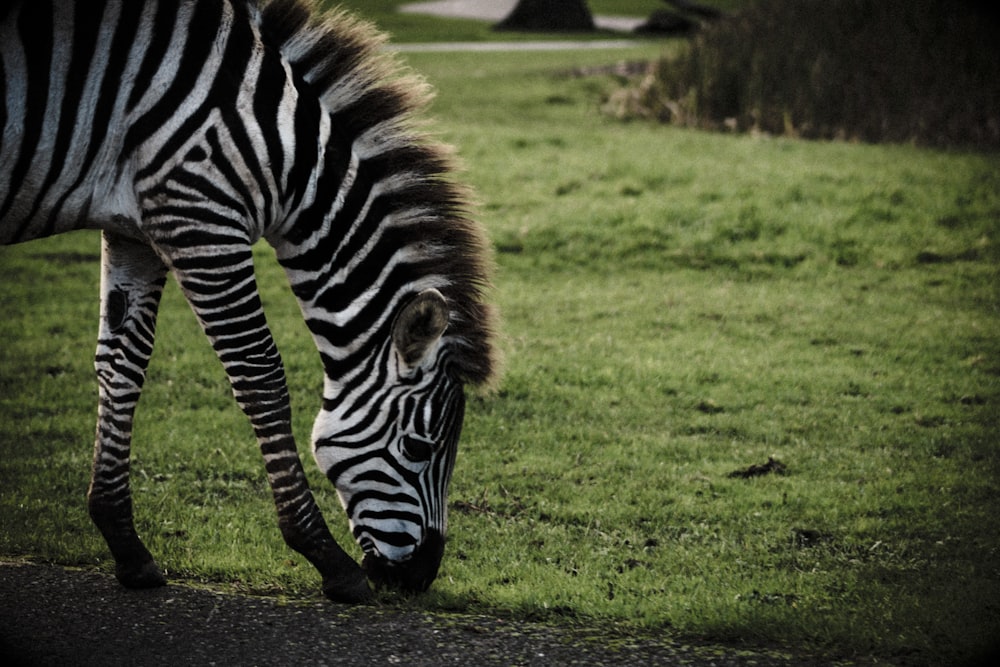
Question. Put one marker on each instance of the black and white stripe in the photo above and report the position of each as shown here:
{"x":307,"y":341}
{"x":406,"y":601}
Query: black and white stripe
{"x":186,"y":130}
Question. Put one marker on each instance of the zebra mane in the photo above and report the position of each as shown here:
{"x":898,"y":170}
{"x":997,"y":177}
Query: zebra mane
{"x":341,"y":59}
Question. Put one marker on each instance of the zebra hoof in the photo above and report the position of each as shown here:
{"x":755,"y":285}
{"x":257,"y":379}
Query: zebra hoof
{"x":348,"y":590}
{"x":146,"y":574}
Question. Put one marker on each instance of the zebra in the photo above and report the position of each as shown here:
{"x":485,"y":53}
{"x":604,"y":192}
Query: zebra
{"x":187,"y":130}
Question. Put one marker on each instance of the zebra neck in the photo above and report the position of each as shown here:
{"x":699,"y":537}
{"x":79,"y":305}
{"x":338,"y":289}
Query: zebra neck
{"x":355,"y":242}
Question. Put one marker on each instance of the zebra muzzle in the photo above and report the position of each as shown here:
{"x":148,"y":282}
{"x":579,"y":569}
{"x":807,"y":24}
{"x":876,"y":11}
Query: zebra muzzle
{"x":415,"y":573}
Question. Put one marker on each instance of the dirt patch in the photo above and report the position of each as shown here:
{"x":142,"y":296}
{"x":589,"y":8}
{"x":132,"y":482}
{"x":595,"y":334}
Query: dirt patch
{"x":773,"y":465}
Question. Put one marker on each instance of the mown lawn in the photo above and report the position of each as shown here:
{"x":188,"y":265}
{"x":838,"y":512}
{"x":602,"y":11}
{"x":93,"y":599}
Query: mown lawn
{"x":677,"y":306}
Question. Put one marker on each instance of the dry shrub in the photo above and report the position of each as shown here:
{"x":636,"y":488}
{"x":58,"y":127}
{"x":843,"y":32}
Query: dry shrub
{"x":922,"y":71}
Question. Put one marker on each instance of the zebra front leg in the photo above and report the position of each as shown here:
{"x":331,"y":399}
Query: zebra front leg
{"x":222,"y":291}
{"x":132,"y":279}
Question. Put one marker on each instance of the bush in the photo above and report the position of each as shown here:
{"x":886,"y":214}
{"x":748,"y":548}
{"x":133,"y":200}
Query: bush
{"x":923,"y":71}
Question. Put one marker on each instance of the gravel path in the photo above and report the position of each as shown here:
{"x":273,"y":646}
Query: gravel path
{"x":51,"y":615}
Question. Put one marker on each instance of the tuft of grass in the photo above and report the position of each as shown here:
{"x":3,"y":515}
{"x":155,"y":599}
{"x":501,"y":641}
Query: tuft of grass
{"x":678,"y":306}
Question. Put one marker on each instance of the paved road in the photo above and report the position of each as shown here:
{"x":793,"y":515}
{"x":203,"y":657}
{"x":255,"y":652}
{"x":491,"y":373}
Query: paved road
{"x":483,"y":47}
{"x":496,"y":10}
{"x":55,"y":616}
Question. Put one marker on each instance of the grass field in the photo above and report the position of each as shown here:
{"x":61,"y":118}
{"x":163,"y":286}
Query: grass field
{"x":677,"y":306}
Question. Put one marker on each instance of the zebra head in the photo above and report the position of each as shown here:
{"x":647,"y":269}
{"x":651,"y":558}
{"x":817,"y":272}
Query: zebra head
{"x":388,"y":444}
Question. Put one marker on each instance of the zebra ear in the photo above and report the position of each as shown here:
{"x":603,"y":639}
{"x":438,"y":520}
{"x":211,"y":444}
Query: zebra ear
{"x":419,"y":326}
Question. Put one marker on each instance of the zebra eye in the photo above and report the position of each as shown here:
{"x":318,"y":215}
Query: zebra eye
{"x":416,"y":449}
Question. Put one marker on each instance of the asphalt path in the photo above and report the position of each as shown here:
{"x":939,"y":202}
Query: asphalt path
{"x":496,"y":10}
{"x":535,"y":45}
{"x":50,"y":615}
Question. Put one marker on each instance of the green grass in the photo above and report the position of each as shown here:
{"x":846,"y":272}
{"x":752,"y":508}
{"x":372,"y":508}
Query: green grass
{"x":677,"y":305}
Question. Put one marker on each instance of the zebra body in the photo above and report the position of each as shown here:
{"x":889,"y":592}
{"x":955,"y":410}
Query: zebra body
{"x":186,"y":130}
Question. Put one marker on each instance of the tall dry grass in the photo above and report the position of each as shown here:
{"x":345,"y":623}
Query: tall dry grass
{"x":921,"y":71}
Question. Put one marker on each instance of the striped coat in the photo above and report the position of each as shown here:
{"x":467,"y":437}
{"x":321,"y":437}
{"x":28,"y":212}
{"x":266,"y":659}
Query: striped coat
{"x":186,"y":131}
